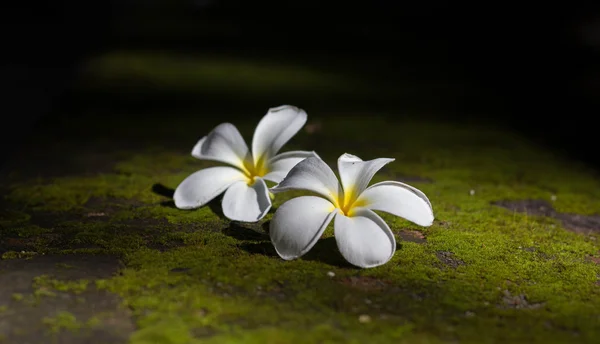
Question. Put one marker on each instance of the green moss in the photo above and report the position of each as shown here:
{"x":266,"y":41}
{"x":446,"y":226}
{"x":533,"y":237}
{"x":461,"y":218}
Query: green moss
{"x":65,"y":194}
{"x":18,"y":255}
{"x":10,"y":255}
{"x":23,"y":231}
{"x":43,"y":292}
{"x":192,"y":276}
{"x":130,"y":179}
{"x":173,"y":215}
{"x":45,"y":282}
{"x":62,"y":321}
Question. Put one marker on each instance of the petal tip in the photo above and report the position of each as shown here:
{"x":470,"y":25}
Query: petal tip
{"x":286,"y":257}
{"x":286,"y":107}
{"x":348,"y":156}
{"x":371,"y":266}
{"x":426,"y":222}
{"x":180,"y":205}
{"x":430,"y":222}
{"x":248,"y":219}
{"x":197,"y":149}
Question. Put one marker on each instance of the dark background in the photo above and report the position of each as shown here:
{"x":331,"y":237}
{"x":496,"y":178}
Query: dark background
{"x":531,"y":67}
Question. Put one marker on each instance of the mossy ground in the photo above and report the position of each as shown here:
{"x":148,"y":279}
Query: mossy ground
{"x":101,"y":185}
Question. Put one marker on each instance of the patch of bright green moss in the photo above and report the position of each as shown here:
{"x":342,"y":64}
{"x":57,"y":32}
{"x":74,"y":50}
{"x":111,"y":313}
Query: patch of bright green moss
{"x":47,"y":282}
{"x":62,"y":321}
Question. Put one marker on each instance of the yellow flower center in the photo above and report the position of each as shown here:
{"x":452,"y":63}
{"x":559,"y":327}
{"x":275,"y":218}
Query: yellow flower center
{"x":252,"y":170}
{"x":348,"y":202}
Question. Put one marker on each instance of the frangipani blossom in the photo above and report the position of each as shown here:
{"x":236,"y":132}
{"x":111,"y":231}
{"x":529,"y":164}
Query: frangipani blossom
{"x":246,"y":195}
{"x":363,"y":238}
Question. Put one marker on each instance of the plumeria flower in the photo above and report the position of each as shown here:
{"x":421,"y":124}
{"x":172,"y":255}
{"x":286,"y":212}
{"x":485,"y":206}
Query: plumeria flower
{"x":246,"y":197}
{"x":363,"y":238}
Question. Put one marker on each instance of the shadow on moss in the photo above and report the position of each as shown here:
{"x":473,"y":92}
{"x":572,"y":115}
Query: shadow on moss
{"x":246,"y":234}
{"x":263,"y":248}
{"x":162,"y":190}
{"x":326,"y":251}
{"x":257,"y":242}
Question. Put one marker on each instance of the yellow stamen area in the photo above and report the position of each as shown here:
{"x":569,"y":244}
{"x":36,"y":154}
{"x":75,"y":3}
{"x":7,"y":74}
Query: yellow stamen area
{"x":348,"y":202}
{"x":252,"y":170}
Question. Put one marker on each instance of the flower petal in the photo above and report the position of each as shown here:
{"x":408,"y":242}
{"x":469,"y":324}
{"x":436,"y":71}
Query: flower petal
{"x":281,"y":164}
{"x":365,"y":240}
{"x":311,"y":174}
{"x":355,"y":174}
{"x":245,"y":203}
{"x":196,"y":151}
{"x":398,"y":199}
{"x":201,"y":187}
{"x":225,"y":144}
{"x":298,"y":224}
{"x":275,"y":129}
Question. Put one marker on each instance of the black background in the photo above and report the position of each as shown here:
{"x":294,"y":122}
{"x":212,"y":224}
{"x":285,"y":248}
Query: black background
{"x":535,"y":65}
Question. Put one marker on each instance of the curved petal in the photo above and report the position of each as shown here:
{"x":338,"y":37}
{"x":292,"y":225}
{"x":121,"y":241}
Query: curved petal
{"x":281,"y":164}
{"x":274,"y":130}
{"x":196,"y":151}
{"x":201,"y":187}
{"x":365,"y":240}
{"x":245,"y":203}
{"x":311,"y":174}
{"x":355,"y":174}
{"x":225,"y":144}
{"x":298,"y":224}
{"x":398,"y":199}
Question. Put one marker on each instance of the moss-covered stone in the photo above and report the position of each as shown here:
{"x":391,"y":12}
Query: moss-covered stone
{"x":479,"y":274}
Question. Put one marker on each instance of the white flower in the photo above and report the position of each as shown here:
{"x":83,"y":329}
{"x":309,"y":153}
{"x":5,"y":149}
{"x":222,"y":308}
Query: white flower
{"x":246,"y":195}
{"x":363,"y":238}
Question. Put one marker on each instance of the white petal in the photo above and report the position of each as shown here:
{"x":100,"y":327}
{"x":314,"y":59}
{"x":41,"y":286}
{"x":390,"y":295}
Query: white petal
{"x":275,"y":129}
{"x":201,"y":187}
{"x":242,"y":202}
{"x":196,"y":151}
{"x":398,"y":199}
{"x":225,"y":144}
{"x":281,"y":164}
{"x":355,"y":174}
{"x":311,"y":174}
{"x":298,"y":224}
{"x":365,"y":240}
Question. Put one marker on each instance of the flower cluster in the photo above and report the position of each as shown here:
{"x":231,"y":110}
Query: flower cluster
{"x":362,"y":236}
